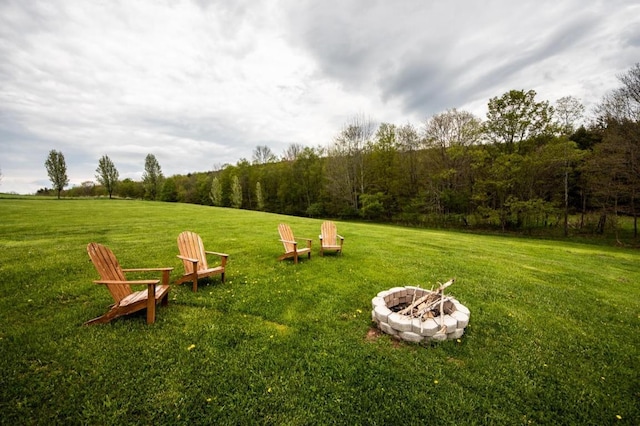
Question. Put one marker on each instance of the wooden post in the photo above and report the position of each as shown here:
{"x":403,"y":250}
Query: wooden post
{"x":151,"y":303}
{"x":165,"y":276}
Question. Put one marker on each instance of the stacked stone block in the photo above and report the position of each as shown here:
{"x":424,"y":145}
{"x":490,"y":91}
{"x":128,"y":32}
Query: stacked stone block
{"x":451,"y":326}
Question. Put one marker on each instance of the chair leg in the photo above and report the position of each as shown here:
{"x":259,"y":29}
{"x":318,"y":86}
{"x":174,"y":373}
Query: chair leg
{"x":194,"y":280}
{"x":151,"y":304}
{"x":222,"y":277}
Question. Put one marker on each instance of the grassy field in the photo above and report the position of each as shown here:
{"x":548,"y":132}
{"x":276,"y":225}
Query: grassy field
{"x":553,"y":337}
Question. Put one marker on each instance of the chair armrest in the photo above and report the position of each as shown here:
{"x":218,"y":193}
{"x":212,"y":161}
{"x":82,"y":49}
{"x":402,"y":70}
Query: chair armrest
{"x":217,"y":254}
{"x":340,"y":236}
{"x":133,"y":282}
{"x":165,"y":272}
{"x":147,"y":269}
{"x":288,"y":241}
{"x":188,"y":259}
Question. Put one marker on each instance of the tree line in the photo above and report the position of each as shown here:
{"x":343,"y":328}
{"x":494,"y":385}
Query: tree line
{"x":527,"y":165}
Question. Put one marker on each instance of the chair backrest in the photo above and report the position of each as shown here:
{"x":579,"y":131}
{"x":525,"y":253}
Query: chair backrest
{"x":287,"y":235}
{"x":190,"y":245}
{"x":109,"y":269}
{"x":328,"y":232}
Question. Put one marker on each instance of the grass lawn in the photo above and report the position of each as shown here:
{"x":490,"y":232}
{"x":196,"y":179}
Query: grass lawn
{"x":553,"y":336}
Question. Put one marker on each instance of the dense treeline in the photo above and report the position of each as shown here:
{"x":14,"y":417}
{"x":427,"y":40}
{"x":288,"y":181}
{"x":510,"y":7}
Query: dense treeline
{"x":524,"y":166}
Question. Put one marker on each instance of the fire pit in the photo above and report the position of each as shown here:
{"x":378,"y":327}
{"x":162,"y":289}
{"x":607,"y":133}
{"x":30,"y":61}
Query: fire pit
{"x":414,"y":314}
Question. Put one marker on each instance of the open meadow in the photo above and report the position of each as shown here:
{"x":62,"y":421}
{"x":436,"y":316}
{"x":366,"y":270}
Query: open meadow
{"x":553,"y":338}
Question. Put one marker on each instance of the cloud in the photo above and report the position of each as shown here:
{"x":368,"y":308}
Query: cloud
{"x":431,"y":56}
{"x":211,"y":80}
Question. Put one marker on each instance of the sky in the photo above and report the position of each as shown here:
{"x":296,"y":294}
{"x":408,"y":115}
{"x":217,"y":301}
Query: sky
{"x":200,"y":84}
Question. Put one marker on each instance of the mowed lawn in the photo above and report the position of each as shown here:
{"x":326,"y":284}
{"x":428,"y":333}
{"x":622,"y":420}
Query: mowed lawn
{"x":553,"y":336}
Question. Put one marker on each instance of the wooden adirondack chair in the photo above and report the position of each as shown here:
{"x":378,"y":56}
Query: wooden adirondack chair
{"x":194,"y":259}
{"x":290,"y":245}
{"x":126,"y":300}
{"x":329,"y":238}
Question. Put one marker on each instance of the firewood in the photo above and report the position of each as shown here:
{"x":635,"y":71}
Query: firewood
{"x":424,"y":306}
{"x":414,"y":304}
{"x":445,"y":285}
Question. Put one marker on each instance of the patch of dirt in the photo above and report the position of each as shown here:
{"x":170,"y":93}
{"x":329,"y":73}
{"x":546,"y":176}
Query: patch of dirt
{"x":373,"y":334}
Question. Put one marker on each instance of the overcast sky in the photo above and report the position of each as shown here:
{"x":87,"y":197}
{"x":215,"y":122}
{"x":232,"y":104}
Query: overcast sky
{"x":201,"y":83}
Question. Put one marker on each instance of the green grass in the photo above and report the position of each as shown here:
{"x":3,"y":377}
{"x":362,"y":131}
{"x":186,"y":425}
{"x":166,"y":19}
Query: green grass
{"x":553,"y":337}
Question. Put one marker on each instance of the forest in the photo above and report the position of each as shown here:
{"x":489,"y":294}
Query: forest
{"x":527,"y":165}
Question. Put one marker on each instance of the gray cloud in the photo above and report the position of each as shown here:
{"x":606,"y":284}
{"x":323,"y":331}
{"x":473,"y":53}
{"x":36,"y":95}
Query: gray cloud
{"x":219,"y":78}
{"x":436,"y":55}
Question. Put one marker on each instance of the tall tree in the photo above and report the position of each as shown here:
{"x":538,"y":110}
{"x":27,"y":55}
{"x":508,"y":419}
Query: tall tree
{"x":309,"y":165}
{"x":216,"y":192}
{"x":631,"y":88}
{"x":568,"y":112}
{"x":107,"y":174}
{"x":152,"y":177}
{"x":497,"y":185}
{"x":57,"y":170}
{"x":259,"y":196}
{"x":614,"y":106}
{"x":409,"y":144}
{"x":619,"y":159}
{"x":236,"y":193}
{"x":244,"y":172}
{"x":300,"y":184}
{"x":383,"y":171}
{"x":515,"y":117}
{"x":606,"y":171}
{"x":346,"y":168}
{"x":449,"y":135}
{"x":452,"y":128}
{"x":622,"y":104}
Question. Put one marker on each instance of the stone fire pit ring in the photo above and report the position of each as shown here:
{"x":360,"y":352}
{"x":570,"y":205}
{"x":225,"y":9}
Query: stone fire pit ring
{"x":450,"y":326}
